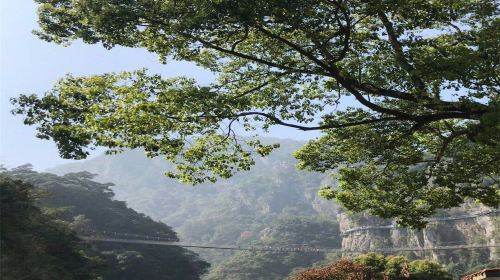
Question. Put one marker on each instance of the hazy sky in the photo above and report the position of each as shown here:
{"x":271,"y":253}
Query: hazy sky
{"x":29,"y":65}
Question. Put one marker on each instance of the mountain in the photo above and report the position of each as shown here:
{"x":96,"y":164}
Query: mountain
{"x":242,"y":209}
{"x":227,"y":212}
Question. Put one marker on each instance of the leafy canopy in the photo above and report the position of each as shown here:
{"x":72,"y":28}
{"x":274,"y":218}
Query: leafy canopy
{"x":423,"y":134}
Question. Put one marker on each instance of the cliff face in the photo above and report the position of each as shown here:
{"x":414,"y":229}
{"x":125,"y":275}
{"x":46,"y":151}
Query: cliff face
{"x":473,"y":226}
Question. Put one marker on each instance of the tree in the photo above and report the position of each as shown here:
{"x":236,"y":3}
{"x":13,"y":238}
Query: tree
{"x":422,"y":134}
{"x":425,"y":269}
{"x":396,"y":268}
{"x":377,"y":263}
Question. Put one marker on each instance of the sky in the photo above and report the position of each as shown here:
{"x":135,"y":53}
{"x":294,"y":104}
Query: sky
{"x":29,"y":65}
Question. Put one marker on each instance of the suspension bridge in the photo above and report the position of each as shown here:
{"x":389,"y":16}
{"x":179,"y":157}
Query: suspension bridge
{"x":159,"y":239}
{"x":115,"y":237}
{"x":302,"y":249}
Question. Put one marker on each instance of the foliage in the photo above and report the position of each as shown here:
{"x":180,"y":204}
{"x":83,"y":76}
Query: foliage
{"x":372,"y":266}
{"x":36,"y":245}
{"x":423,"y":134}
{"x":87,"y":205}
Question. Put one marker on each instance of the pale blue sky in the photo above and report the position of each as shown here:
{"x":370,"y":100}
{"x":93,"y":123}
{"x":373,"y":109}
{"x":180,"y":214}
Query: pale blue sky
{"x":29,"y":65}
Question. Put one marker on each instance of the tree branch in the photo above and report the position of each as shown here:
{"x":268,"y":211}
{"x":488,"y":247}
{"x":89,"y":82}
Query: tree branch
{"x":321,"y":127}
{"x":399,"y":54}
{"x":249,"y":57}
{"x":293,"y":46}
{"x":447,"y":142}
{"x":254,"y":89}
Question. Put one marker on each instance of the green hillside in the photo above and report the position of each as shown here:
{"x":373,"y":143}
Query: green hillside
{"x":84,"y":205}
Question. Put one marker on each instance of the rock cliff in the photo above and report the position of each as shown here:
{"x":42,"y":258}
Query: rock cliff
{"x":470,"y":226}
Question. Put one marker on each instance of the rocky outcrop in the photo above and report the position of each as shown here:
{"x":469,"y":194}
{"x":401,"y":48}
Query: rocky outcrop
{"x":476,"y":226}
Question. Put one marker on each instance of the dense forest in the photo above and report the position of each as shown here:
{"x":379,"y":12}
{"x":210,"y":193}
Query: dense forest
{"x":34,"y":244}
{"x":43,"y":213}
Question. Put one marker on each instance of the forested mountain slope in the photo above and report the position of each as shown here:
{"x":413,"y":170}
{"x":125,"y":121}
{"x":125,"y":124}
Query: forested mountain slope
{"x":85,"y":205}
{"x":34,"y":244}
{"x":282,"y":233}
